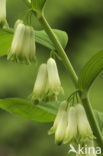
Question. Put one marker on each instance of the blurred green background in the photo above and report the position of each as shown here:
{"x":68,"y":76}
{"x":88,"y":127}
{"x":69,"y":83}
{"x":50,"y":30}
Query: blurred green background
{"x":83,"y":21}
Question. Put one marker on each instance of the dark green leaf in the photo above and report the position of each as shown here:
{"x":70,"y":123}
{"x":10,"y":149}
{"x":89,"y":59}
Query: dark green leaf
{"x":91,"y":71}
{"x":40,"y":37}
{"x":26,"y":110}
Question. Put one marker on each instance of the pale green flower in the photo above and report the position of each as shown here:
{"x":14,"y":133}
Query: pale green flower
{"x":23,"y":45}
{"x":58,"y":117}
{"x":54,"y":83}
{"x":3,"y":21}
{"x":71,"y":129}
{"x":84,"y":128}
{"x":39,"y":91}
{"x":60,"y":124}
{"x":60,"y":130}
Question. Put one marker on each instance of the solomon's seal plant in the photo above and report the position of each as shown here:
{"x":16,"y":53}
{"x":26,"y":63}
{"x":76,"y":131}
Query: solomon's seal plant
{"x":75,"y":121}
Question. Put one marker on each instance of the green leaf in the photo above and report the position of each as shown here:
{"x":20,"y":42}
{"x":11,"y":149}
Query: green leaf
{"x":26,"y":110}
{"x":99,"y":117}
{"x":38,"y":5}
{"x":39,"y":113}
{"x":90,"y":71}
{"x":5,"y":42}
{"x":40,"y":37}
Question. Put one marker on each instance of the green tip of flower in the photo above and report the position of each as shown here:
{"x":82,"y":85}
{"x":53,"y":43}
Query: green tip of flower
{"x":65,"y":141}
{"x":53,"y":95}
{"x":51,"y":131}
{"x":86,"y":138}
{"x":4,"y":24}
{"x":37,"y":98}
{"x":22,"y":60}
{"x":59,"y":143}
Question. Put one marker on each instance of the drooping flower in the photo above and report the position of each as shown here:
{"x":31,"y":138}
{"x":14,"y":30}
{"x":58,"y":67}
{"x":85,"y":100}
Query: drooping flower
{"x":84,"y":128}
{"x":54,"y":83}
{"x":3,"y":21}
{"x":58,"y":117}
{"x":23,"y":45}
{"x":60,"y":124}
{"x":71,"y":129}
{"x":60,"y":131}
{"x":39,"y":91}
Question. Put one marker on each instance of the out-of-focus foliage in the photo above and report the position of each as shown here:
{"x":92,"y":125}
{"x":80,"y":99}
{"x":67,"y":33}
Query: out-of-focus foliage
{"x":83,"y":22}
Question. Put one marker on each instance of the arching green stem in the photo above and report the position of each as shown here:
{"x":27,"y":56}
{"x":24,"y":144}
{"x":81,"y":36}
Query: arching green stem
{"x":70,"y":69}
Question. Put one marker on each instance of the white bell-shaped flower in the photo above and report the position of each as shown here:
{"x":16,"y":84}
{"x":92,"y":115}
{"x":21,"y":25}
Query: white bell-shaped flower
{"x":3,"y":21}
{"x":58,"y":117}
{"x":60,"y":124}
{"x":60,"y":130}
{"x":39,"y":91}
{"x":71,"y":130}
{"x":84,"y":128}
{"x":23,"y":45}
{"x":54,"y":83}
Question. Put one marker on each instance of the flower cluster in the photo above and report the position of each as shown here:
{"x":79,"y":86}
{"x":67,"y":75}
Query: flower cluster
{"x":47,"y":85}
{"x":71,"y":124}
{"x":23,"y":45}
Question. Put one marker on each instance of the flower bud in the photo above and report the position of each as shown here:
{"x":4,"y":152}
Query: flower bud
{"x":54,"y":84}
{"x":71,"y":130}
{"x":58,"y":117}
{"x":3,"y":21}
{"x":39,"y":90}
{"x":84,"y":128}
{"x":60,"y":131}
{"x":23,"y":45}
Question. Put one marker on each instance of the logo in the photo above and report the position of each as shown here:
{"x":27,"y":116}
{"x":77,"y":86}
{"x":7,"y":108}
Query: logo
{"x":84,"y":150}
